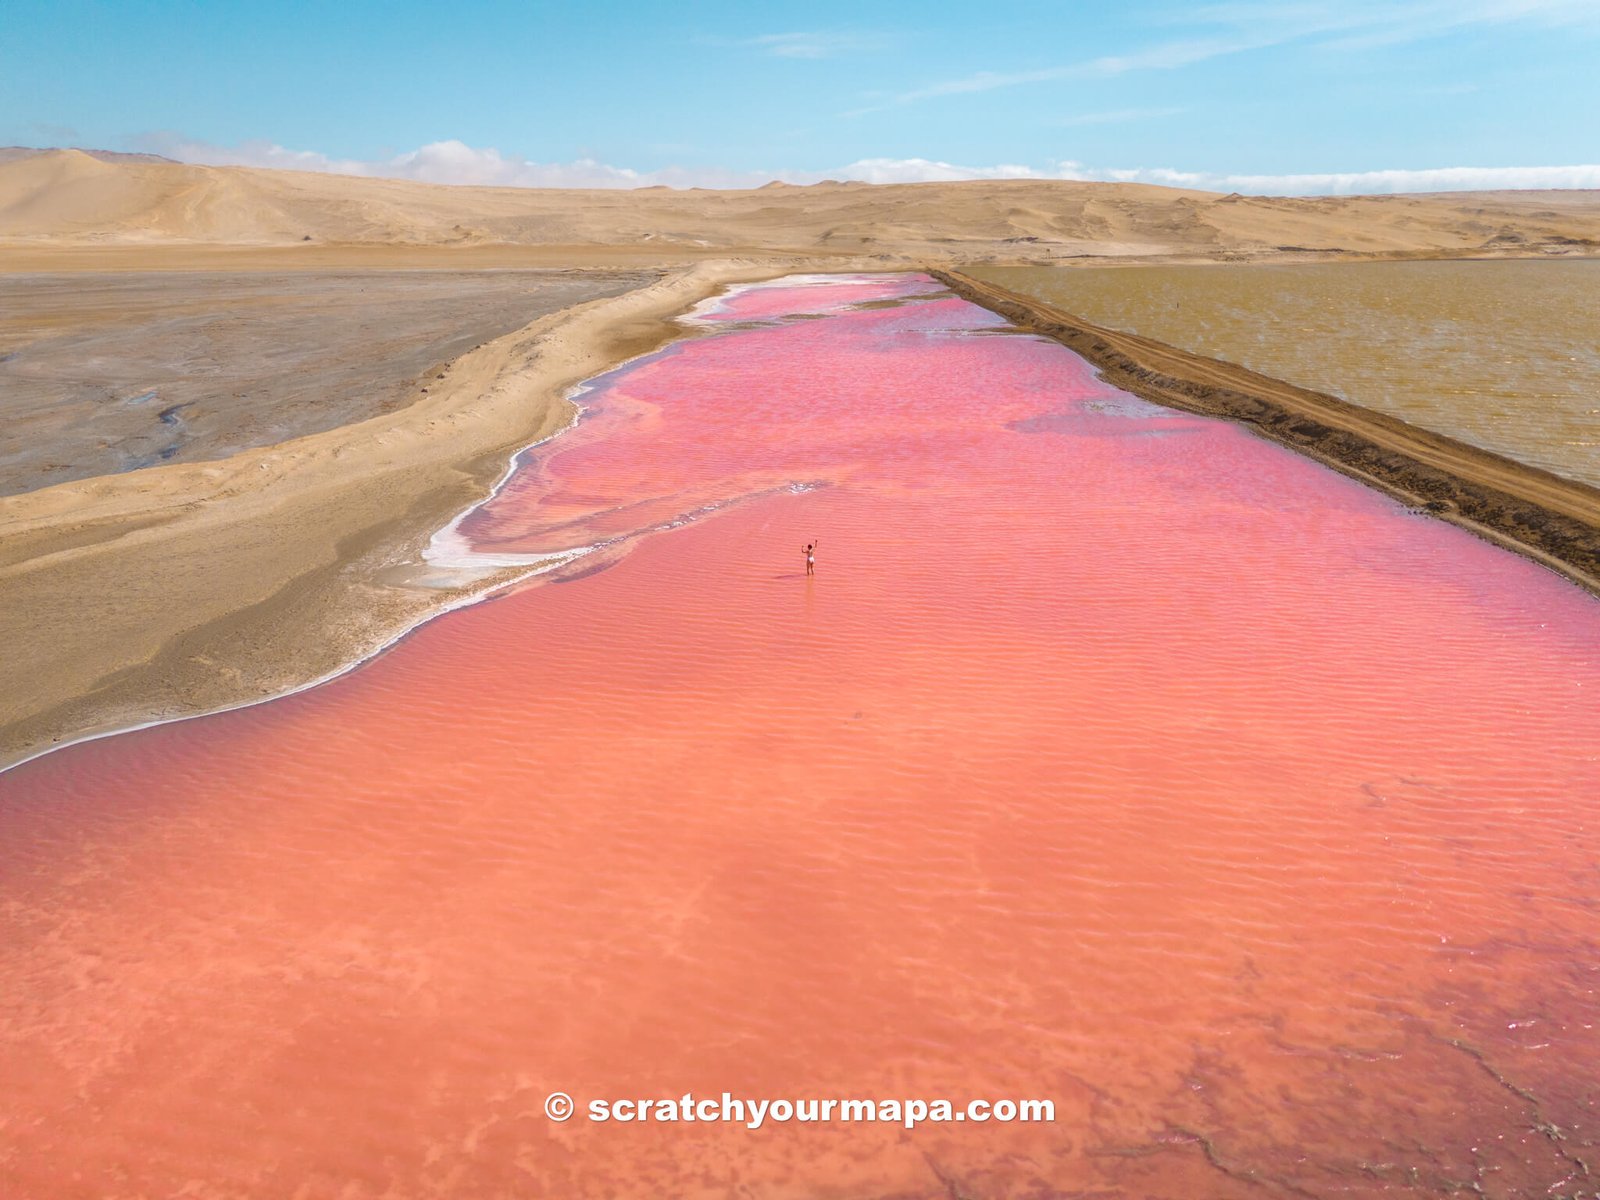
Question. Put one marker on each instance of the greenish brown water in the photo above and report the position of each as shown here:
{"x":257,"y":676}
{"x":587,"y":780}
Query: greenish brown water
{"x":1504,"y":354}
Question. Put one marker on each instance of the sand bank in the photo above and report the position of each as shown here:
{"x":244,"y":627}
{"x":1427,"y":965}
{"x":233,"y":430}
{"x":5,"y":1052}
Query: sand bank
{"x":1553,"y":520}
{"x":190,"y":587}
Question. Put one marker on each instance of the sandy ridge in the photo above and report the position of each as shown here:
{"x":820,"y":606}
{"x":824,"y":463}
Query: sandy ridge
{"x":194,"y":587}
{"x":64,"y":200}
{"x":1552,"y":520}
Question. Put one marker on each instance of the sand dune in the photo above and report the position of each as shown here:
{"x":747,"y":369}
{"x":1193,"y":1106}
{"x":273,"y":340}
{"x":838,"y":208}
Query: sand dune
{"x":68,"y":197}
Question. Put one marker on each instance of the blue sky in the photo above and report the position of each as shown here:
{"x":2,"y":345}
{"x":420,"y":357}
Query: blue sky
{"x":1268,"y":97}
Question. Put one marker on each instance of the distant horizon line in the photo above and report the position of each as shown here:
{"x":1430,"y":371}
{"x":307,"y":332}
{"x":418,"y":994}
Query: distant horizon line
{"x":432,"y":164}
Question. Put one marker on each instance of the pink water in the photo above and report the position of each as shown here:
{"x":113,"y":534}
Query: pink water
{"x":1112,"y":757}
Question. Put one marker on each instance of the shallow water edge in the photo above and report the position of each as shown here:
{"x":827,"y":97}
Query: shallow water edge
{"x":309,"y":546}
{"x":1542,"y":516}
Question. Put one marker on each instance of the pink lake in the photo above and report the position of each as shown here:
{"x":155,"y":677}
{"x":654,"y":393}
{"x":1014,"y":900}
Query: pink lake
{"x":1113,"y":756}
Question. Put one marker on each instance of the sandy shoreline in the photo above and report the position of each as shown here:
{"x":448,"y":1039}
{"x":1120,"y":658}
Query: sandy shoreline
{"x":189,"y":588}
{"x":1553,"y":520}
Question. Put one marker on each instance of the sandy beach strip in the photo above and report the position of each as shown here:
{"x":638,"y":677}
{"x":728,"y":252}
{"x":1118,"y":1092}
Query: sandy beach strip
{"x":194,"y":587}
{"x":1552,"y":520}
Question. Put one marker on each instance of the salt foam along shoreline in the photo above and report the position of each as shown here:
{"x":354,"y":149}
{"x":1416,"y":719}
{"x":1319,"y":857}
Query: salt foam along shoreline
{"x":447,"y":550}
{"x":450,"y":552}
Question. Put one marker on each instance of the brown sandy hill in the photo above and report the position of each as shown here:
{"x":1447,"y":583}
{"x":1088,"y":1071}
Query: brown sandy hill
{"x":67,"y":197}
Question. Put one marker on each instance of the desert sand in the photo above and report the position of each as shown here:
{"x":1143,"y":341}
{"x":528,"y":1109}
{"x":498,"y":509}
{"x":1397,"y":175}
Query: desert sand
{"x":186,"y":587}
{"x":66,"y":201}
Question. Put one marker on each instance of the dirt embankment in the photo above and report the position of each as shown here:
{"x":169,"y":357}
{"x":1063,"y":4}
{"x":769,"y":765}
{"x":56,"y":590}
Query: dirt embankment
{"x":1552,"y":520}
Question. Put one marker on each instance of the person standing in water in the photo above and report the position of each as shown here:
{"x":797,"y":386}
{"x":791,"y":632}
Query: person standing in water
{"x":811,"y":557}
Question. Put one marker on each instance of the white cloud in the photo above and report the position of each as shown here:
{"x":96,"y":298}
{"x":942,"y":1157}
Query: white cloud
{"x":916,"y":170}
{"x":245,"y":154}
{"x":454,"y":162}
{"x":1349,"y":183}
{"x":449,"y":161}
